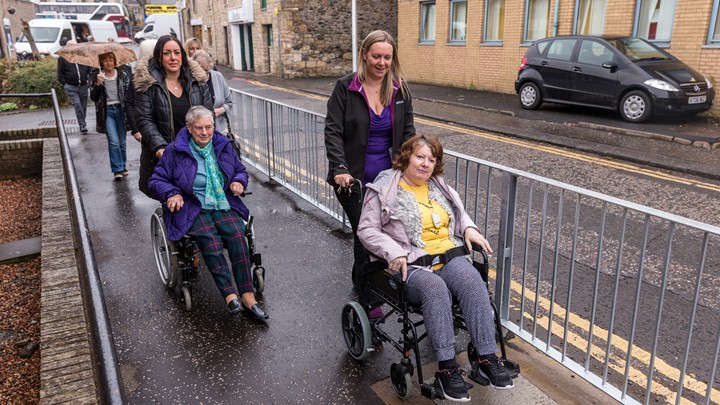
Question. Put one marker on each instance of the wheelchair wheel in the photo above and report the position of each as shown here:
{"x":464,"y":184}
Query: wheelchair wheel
{"x":356,"y":330}
{"x":259,"y":279}
{"x":187,"y":298}
{"x":401,"y":381}
{"x":164,"y":250}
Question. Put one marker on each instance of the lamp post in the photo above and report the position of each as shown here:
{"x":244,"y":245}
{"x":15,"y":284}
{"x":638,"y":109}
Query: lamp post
{"x":7,"y":30}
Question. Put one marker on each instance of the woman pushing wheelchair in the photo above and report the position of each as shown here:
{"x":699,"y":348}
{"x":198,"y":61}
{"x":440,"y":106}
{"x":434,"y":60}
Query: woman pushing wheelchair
{"x":409,"y":212}
{"x":201,"y":178}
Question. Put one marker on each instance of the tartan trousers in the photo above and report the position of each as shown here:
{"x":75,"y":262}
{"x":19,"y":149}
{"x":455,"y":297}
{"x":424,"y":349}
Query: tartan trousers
{"x":211,"y":230}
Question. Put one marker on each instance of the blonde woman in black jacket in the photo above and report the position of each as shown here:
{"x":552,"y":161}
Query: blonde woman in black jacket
{"x":167,"y":85}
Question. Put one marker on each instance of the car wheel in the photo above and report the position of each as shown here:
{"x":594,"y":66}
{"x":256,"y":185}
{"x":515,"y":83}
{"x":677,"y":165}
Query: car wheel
{"x":530,"y":97}
{"x":636,"y":106}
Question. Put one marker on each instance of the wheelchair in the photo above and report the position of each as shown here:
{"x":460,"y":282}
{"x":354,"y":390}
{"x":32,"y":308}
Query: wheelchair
{"x":177,"y":262}
{"x":362,"y":335}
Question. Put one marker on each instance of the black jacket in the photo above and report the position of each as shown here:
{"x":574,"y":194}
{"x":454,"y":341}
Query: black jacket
{"x":72,"y":73}
{"x":98,"y":94}
{"x":347,"y":126}
{"x":154,"y":109}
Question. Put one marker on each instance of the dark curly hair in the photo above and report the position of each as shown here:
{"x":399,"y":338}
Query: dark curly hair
{"x":402,"y":160}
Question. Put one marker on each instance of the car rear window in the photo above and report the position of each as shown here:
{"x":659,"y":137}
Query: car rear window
{"x":561,"y":49}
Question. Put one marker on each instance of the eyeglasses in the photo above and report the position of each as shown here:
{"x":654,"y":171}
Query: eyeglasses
{"x":206,"y":128}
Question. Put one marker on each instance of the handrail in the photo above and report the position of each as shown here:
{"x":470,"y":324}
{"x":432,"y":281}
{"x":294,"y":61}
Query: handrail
{"x":105,"y":364}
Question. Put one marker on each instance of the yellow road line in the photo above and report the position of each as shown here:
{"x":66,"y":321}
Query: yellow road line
{"x":616,"y":363}
{"x":534,"y":146}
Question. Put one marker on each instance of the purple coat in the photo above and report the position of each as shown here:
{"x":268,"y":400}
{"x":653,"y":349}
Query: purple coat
{"x":175,"y":173}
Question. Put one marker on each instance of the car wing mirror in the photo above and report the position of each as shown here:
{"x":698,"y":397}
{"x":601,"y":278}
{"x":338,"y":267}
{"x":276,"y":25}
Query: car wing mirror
{"x":609,"y":65}
{"x":63,"y":41}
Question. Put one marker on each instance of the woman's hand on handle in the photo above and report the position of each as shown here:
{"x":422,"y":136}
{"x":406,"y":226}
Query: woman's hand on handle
{"x":399,"y":265}
{"x":175,"y":202}
{"x":473,"y":235}
{"x":344,"y":180}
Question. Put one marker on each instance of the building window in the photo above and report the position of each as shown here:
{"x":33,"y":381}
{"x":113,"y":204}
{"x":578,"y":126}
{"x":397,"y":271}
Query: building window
{"x":458,"y":20}
{"x":427,"y":22}
{"x":654,"y":20}
{"x":714,"y":33}
{"x":536,"y":19}
{"x":589,"y":17}
{"x":263,"y":4}
{"x":209,"y":36}
{"x":494,"y":20}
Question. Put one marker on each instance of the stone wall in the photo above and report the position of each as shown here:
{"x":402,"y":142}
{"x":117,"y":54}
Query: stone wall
{"x":21,"y":158}
{"x":316,"y":36}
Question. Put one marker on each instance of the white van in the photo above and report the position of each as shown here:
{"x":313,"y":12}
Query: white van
{"x":51,"y":35}
{"x":157,"y":25}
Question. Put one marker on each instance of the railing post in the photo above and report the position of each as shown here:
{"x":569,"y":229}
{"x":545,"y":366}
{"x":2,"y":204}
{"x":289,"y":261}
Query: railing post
{"x":505,"y":244}
{"x":269,"y":138}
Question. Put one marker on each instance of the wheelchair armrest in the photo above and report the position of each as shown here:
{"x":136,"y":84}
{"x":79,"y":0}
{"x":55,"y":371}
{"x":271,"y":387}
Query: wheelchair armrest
{"x":482,"y":267}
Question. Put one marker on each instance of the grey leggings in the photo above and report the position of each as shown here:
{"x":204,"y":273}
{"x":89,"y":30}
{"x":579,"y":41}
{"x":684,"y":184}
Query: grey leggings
{"x":432,"y":291}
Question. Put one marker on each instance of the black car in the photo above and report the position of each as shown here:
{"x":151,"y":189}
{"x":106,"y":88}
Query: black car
{"x":627,"y":74}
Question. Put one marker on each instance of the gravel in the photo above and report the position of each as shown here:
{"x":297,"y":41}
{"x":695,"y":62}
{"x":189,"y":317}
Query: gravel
{"x":20,"y":218}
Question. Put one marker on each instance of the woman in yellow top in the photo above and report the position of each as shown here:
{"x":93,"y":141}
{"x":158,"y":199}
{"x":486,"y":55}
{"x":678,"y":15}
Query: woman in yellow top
{"x":409,"y":212}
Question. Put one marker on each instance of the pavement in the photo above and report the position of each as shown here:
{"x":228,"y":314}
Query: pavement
{"x":685,"y":144}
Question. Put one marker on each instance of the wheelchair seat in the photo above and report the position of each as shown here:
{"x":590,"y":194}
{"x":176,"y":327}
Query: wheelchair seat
{"x":361,"y":334}
{"x":177,"y":262}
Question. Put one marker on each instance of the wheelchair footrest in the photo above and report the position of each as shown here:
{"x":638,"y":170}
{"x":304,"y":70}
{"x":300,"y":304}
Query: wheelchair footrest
{"x":431,"y":391}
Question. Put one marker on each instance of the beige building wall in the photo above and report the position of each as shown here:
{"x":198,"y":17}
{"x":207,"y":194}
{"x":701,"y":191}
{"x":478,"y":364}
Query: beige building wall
{"x":495,"y":67}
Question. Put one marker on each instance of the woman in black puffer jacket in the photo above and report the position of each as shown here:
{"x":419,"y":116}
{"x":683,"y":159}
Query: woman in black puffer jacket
{"x":167,"y":85}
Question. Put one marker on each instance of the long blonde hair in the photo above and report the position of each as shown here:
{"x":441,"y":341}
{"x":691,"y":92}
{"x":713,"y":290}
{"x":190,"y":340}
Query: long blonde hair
{"x":395,"y":72}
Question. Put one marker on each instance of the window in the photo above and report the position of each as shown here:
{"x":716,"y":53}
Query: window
{"x":561,"y":49}
{"x":654,"y":20}
{"x":494,"y":20}
{"x":589,"y":17}
{"x":714,"y":33}
{"x":594,"y":53}
{"x":536,"y":19}
{"x":427,"y":22}
{"x":263,"y":4}
{"x":458,"y":20}
{"x":209,"y":36}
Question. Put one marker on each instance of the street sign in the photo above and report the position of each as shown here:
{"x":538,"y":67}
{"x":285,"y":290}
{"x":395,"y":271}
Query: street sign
{"x":160,"y":9}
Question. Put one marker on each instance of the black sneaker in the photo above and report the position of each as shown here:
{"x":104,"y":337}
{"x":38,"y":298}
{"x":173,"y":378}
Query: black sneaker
{"x":492,"y":368}
{"x":452,"y":385}
{"x":83,"y":129}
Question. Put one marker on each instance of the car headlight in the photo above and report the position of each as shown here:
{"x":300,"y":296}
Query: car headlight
{"x":661,"y":85}
{"x":709,"y":83}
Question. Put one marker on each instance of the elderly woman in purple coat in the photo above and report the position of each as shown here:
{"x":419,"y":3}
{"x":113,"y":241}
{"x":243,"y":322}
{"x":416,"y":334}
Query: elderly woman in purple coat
{"x":200,"y":178}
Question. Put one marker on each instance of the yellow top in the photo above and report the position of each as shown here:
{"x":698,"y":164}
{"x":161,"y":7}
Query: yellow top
{"x":435,"y":221}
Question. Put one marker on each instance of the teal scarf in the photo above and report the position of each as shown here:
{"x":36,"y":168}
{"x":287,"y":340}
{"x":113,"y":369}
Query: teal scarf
{"x":214,"y":192}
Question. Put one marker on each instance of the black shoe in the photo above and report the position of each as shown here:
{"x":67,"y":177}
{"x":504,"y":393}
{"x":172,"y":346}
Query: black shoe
{"x":256,"y":313}
{"x":234,"y":306}
{"x":492,"y":368}
{"x":452,"y":385}
{"x":84,"y":130}
{"x":124,"y":172}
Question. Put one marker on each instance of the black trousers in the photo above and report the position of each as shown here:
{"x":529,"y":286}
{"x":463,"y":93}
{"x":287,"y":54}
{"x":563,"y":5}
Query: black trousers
{"x":352,"y":205}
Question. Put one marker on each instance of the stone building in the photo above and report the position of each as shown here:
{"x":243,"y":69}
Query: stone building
{"x":292,"y":38}
{"x":480,"y":43}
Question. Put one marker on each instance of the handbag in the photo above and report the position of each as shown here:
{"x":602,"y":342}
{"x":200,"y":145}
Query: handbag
{"x":232,"y":136}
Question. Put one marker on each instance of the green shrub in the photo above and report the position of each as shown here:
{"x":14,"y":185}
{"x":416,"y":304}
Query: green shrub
{"x":37,"y":77}
{"x":8,"y":107}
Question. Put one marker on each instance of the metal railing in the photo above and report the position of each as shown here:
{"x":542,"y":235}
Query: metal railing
{"x":621,"y":294}
{"x":105,"y":364}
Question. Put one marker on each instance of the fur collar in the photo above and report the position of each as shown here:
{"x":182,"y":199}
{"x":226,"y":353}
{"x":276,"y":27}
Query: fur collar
{"x":408,"y":212}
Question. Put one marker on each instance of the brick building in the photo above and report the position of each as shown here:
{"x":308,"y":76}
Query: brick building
{"x":292,"y":38}
{"x":480,"y":43}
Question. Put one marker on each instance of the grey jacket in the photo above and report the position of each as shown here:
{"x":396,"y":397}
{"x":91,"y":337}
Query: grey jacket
{"x":386,"y":232}
{"x":221,"y":98}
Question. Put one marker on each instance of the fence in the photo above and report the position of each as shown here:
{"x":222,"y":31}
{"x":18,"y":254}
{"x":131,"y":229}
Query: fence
{"x":621,"y":294}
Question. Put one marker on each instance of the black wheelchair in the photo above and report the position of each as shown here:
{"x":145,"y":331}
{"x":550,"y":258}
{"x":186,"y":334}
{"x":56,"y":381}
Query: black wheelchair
{"x":177,"y":262}
{"x":361,"y":334}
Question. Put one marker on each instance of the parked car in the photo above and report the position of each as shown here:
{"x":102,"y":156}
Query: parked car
{"x":52,"y":34}
{"x":626,"y":74}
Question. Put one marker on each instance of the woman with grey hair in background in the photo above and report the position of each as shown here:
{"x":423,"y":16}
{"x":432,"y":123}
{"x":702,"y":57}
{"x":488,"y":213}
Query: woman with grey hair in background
{"x":222,"y":99}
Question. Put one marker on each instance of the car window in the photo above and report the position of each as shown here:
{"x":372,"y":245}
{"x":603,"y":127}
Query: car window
{"x":541,"y":47}
{"x":594,"y":53}
{"x":561,"y":49}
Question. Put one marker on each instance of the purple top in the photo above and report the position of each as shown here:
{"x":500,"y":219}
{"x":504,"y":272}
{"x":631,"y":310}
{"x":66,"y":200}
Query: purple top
{"x":377,"y":155}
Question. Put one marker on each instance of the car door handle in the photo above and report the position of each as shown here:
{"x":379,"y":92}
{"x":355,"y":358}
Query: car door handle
{"x":576,"y":69}
{"x":544,"y":63}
